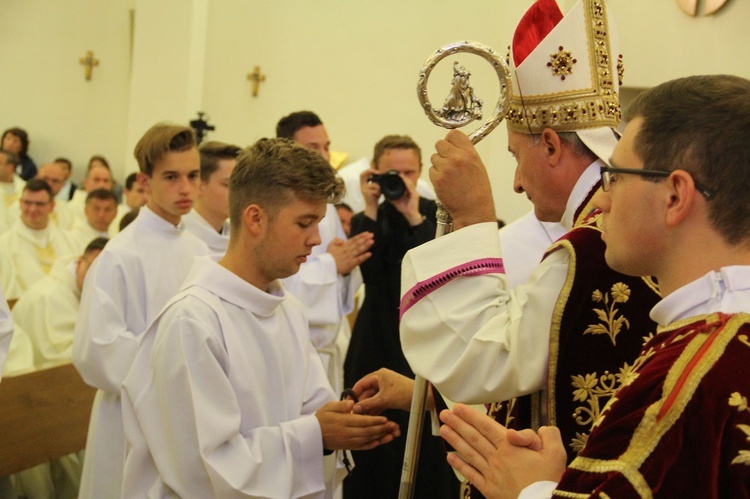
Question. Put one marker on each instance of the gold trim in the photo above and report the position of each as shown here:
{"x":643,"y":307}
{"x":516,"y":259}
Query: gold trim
{"x":592,"y":107}
{"x":554,"y":333}
{"x":650,"y":431}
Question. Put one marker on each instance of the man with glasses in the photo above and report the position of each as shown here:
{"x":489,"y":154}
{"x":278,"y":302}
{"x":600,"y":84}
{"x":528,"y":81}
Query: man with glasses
{"x":674,"y":206}
{"x":565,"y":334}
{"x":32,"y":244}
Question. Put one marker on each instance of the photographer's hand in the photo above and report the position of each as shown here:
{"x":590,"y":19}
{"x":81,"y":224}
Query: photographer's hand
{"x":371,"y":193}
{"x":408,"y":204}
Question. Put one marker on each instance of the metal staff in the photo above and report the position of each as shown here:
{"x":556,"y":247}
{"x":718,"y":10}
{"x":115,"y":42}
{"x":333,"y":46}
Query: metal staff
{"x":460,"y":108}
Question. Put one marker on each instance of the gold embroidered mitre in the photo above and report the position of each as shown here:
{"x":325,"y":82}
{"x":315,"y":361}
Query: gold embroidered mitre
{"x":567,"y":74}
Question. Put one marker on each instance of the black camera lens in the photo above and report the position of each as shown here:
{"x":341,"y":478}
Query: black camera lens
{"x":391,"y":184}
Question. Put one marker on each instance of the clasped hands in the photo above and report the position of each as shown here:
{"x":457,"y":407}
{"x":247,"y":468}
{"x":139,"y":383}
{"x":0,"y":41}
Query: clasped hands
{"x":500,"y":462}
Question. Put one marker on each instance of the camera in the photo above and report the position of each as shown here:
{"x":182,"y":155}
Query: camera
{"x":391,"y":184}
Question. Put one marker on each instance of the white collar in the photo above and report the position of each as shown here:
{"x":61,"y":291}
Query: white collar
{"x":581,"y":190}
{"x":727,"y":290}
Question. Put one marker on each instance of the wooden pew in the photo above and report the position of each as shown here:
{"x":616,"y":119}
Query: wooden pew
{"x":44,"y":415}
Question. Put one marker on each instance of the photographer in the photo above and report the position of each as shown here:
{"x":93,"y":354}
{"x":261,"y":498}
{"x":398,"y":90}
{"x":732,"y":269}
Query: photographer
{"x":401,"y":222}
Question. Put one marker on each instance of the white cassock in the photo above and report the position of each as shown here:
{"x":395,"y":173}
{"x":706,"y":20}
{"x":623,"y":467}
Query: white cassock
{"x":81,"y":234}
{"x":224,"y":404}
{"x":478,"y":352}
{"x":6,"y":331}
{"x":126,"y":287}
{"x":27,"y":255}
{"x":47,"y":312}
{"x":77,"y":204}
{"x":217,"y":242}
{"x":64,"y":193}
{"x":354,"y":198}
{"x":327,"y":296}
{"x":523,"y":243}
{"x":114,"y":227}
{"x":61,"y":217}
{"x":10,"y":192}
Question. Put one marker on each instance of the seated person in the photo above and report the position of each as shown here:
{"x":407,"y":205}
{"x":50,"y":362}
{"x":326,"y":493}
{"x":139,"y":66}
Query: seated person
{"x":32,"y":244}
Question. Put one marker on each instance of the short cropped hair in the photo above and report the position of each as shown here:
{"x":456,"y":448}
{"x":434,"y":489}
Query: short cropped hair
{"x":38,"y":185}
{"x":64,"y":161}
{"x":130,"y":180}
{"x":99,"y":158}
{"x":10,"y":157}
{"x":572,"y":140}
{"x":103,"y":194}
{"x":213,"y":152}
{"x":273,"y":172}
{"x":159,"y":140}
{"x":288,"y":125}
{"x":97,"y":244}
{"x":699,"y":124}
{"x":395,"y":142}
{"x":22,"y":136}
{"x":127,"y":218}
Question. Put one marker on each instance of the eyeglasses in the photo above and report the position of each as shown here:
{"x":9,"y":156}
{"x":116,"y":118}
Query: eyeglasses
{"x":609,"y":177}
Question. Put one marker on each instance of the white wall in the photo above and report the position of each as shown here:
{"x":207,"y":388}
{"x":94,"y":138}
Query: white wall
{"x":353,"y":62}
{"x":42,"y":85}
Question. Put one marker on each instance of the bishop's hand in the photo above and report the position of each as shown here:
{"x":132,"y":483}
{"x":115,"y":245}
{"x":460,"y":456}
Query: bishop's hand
{"x":461,"y":181}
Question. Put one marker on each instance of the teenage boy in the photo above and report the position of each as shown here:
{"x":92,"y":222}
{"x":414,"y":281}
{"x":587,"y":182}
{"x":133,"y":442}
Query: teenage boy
{"x":135,"y":275}
{"x":227,"y":396}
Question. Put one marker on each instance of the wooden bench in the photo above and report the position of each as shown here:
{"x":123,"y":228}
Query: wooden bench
{"x":44,"y":415}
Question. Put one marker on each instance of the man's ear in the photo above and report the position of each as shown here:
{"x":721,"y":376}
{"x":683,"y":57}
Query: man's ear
{"x":552,"y":144}
{"x":144,"y":181}
{"x":255,"y":219}
{"x":681,"y":197}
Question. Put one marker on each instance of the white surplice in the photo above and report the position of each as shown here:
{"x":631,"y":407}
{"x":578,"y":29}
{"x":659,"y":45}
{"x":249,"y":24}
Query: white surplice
{"x":47,"y":312}
{"x":114,"y":227}
{"x":126,"y":287}
{"x":81,"y":234}
{"x":476,"y":339}
{"x":221,"y":398}
{"x":77,"y":204}
{"x":217,"y":242}
{"x":327,"y":296}
{"x":523,"y":243}
{"x":27,"y":255}
{"x":6,"y":330}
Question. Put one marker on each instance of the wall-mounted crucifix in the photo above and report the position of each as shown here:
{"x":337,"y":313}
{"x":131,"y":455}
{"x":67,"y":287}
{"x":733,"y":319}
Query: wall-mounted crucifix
{"x":89,"y":61}
{"x":201,"y":126}
{"x":256,"y":77}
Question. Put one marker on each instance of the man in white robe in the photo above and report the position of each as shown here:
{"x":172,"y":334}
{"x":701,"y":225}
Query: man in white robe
{"x":100,"y":211}
{"x":48,"y":310}
{"x":133,"y":197}
{"x":32,"y":244}
{"x":227,"y":396}
{"x":209,"y":220}
{"x":135,"y":275}
{"x":11,"y":186}
{"x":98,"y":176}
{"x":326,"y":283}
{"x":54,"y":174}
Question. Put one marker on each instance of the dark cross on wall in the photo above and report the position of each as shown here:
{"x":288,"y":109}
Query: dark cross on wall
{"x":201,"y":126}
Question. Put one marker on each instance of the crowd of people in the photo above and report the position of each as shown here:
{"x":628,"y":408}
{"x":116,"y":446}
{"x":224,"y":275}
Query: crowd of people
{"x":593,"y":348}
